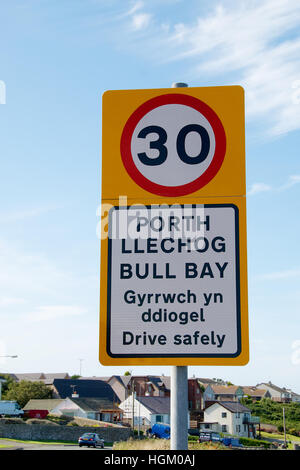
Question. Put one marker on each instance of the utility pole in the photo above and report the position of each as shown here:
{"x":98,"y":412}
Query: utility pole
{"x":284,"y":429}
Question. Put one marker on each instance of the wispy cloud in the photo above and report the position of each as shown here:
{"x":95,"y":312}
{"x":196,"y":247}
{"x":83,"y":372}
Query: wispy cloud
{"x":51,"y":312}
{"x":257,"y":188}
{"x":255,"y":44}
{"x":258,"y":42}
{"x":292,"y":181}
{"x":280,"y":275}
{"x":24,"y":214}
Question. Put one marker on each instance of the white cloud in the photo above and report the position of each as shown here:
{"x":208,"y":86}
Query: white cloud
{"x":258,"y":188}
{"x":140,"y":21}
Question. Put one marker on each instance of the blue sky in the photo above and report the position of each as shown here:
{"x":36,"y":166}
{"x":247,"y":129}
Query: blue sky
{"x":56,"y":60}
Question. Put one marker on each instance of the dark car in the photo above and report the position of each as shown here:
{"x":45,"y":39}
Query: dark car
{"x":91,"y":439}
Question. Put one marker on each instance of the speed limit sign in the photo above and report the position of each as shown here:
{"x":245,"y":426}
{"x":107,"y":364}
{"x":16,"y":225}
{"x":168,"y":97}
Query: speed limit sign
{"x":173,"y":145}
{"x":173,"y":228}
{"x":173,"y":142}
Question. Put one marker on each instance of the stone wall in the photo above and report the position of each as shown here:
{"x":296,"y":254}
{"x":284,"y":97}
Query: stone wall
{"x":36,"y":432}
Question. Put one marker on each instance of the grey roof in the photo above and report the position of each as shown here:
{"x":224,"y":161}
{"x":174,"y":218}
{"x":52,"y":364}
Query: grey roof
{"x":274,"y":387}
{"x":42,"y":404}
{"x":123,"y":379}
{"x":40,"y":377}
{"x":94,"y":404}
{"x":84,"y":388}
{"x":105,"y":379}
{"x":157,"y":405}
{"x":233,"y":406}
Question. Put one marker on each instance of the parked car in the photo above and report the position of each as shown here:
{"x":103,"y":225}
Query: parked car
{"x":10,"y":408}
{"x":209,"y":436}
{"x":91,"y":439}
{"x":160,"y":431}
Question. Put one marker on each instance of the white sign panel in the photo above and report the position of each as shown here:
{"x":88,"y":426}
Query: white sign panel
{"x":173,"y":281}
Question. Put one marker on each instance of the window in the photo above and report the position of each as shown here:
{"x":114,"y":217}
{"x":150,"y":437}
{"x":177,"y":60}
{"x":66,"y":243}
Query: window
{"x":224,"y":415}
{"x":159,"y":418}
{"x":238,"y":415}
{"x":238,"y":428}
{"x":206,"y":426}
{"x":224,"y":428}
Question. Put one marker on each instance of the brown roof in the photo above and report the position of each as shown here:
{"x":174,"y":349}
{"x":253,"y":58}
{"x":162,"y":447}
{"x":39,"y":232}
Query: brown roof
{"x":224,"y":389}
{"x":253,"y":391}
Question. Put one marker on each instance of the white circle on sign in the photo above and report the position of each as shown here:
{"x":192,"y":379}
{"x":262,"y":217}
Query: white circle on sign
{"x":173,"y":145}
{"x":172,"y":118}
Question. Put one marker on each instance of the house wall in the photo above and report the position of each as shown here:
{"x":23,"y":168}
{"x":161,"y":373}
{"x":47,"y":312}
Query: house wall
{"x":208,"y":395}
{"x":119,"y":389}
{"x":142,"y":415}
{"x":194,"y":395}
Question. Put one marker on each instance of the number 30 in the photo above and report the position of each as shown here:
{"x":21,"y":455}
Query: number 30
{"x":180,"y":145}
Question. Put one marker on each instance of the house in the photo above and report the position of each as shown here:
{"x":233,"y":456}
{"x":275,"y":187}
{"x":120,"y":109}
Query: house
{"x":196,"y":401}
{"x":100,"y":409}
{"x":256,"y":393}
{"x":143,"y":385}
{"x":38,"y":406}
{"x":227,"y":392}
{"x":277,"y":393}
{"x":229,"y":417}
{"x":146,"y":410}
{"x":150,"y":385}
{"x":295,"y":397}
{"x":77,"y":388}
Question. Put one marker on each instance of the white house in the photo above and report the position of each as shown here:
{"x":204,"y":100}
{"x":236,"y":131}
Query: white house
{"x":229,"y":417}
{"x":146,"y":410}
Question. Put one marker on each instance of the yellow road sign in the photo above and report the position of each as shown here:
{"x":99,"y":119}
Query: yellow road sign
{"x":173,"y":250}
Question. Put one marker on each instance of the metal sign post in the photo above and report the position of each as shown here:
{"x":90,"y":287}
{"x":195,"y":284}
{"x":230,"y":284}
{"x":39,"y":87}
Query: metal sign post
{"x":179,"y":393}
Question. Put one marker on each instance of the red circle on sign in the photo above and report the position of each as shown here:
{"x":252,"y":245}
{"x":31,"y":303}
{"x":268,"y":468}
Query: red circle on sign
{"x":199,"y":182}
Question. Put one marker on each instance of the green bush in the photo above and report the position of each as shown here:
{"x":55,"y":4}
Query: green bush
{"x":193,"y":438}
{"x":72,"y":423}
{"x":246,"y":441}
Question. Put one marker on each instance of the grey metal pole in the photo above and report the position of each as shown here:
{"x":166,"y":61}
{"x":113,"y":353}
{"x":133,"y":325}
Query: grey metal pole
{"x":179,"y":408}
{"x":179,"y":391}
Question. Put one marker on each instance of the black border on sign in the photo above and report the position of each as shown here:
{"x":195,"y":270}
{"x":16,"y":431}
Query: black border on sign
{"x":238,"y":296}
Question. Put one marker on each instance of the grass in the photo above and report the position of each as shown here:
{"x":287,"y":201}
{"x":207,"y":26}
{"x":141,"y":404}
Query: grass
{"x":289,"y":437}
{"x":162,"y":444}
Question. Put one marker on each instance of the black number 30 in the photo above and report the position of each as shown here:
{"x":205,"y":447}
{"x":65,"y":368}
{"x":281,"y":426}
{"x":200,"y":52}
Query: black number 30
{"x":159,"y":144}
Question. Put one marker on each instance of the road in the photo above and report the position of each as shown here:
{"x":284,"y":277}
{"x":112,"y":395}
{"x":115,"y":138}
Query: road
{"x":15,"y":445}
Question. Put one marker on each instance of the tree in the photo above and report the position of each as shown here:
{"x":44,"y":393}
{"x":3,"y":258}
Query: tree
{"x":127,"y":372}
{"x":25,"y":390}
{"x":8,"y":380}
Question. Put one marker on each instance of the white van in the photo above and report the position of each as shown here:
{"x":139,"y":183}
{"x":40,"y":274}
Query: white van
{"x":10,"y":408}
